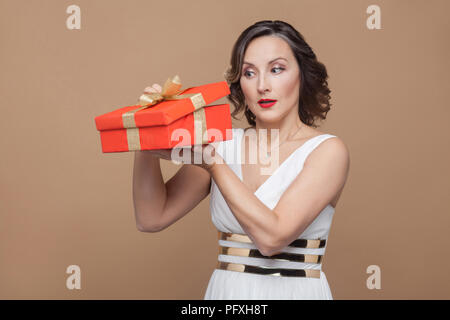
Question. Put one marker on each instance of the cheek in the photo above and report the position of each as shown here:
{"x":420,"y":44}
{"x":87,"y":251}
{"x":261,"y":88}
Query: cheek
{"x":246,"y":90}
{"x":290,"y":87}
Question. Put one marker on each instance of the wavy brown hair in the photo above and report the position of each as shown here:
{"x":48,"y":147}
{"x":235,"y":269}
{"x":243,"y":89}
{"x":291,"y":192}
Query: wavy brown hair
{"x":314,"y":97}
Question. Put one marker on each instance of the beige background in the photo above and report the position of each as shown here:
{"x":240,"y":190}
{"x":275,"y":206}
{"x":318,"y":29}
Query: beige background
{"x":63,"y":202}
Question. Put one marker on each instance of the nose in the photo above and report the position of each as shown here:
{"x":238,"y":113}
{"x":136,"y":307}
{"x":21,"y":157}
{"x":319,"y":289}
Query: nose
{"x":263,"y":84}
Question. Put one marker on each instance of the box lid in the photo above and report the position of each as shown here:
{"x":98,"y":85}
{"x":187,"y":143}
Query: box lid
{"x":163,"y":113}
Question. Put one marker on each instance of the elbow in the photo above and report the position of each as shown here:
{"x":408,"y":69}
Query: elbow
{"x":271,"y":248}
{"x":149,"y":226}
{"x":149,"y":229}
{"x":268,"y":251}
{"x":265,"y":252}
{"x":144,"y":224}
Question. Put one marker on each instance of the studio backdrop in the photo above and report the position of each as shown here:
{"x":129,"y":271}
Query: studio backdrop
{"x":66,"y":207}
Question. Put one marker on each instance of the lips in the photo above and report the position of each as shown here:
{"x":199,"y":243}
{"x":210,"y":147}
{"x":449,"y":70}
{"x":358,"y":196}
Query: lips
{"x":266,"y":103}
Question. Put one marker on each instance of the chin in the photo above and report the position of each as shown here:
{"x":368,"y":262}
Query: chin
{"x":269,"y":117}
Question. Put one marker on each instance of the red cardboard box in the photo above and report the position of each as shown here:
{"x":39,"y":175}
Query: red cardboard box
{"x":179,"y":120}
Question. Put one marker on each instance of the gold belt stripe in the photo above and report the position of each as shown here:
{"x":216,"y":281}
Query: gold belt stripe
{"x":283,"y":256}
{"x":308,"y":273}
{"x":298,"y":243}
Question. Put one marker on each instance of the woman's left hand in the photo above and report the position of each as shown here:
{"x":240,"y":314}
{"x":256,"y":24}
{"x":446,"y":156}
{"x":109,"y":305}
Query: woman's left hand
{"x":204,"y":156}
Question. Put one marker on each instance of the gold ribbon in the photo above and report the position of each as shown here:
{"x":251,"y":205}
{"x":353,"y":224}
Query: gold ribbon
{"x":170,"y":91}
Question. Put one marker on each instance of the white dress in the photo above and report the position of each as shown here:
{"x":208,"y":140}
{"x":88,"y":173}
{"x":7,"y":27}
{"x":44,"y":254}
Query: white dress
{"x":226,"y":284}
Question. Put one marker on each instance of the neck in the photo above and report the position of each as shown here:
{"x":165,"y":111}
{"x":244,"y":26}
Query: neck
{"x":280,"y":130}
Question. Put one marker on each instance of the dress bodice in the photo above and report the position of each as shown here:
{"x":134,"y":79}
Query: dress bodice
{"x":271,"y":190}
{"x":226,"y":284}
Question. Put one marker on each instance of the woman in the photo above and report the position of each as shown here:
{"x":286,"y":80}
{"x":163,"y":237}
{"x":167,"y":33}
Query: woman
{"x":272,"y":227}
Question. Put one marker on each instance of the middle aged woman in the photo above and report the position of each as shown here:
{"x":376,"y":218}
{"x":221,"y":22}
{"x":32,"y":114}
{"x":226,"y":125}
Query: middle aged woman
{"x":272,"y":227}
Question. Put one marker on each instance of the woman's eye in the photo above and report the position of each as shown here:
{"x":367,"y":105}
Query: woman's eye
{"x":280,"y":68}
{"x":249,"y":73}
{"x":246,"y":73}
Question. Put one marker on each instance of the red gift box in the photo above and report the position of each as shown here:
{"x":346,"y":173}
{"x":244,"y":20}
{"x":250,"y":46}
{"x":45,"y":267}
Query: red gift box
{"x":175,"y":120}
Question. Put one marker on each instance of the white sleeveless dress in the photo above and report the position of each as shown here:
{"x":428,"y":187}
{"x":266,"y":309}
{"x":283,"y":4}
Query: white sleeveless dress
{"x":227,"y":284}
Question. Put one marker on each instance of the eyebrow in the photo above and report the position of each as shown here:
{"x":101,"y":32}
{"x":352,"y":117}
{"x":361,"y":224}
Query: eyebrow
{"x":268,"y":63}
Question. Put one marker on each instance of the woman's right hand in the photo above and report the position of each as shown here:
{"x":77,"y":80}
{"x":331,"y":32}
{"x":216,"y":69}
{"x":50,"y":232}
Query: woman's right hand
{"x":160,"y":153}
{"x":167,"y":153}
{"x":153,"y":89}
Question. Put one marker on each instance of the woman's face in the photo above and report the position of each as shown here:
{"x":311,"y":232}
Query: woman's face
{"x":270,"y":71}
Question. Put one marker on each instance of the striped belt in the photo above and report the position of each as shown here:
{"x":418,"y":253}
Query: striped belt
{"x":282,"y":256}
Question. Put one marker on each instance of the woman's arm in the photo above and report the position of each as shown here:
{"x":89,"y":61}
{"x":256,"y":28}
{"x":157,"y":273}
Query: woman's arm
{"x":321,"y":179}
{"x":157,"y":205}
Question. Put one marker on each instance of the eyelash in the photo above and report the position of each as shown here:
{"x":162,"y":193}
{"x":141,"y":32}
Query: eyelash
{"x":245,"y":72}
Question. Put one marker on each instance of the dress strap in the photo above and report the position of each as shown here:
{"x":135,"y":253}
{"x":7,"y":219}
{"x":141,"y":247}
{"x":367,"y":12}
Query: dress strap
{"x":314,"y":143}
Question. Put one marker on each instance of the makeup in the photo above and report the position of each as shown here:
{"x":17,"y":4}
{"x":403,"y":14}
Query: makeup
{"x":266,"y":103}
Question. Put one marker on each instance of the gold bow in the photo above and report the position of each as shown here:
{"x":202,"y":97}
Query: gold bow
{"x":170,"y":91}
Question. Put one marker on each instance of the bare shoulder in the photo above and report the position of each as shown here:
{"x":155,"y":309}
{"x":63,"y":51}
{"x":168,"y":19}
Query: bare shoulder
{"x":332,"y":150}
{"x":334,"y":143}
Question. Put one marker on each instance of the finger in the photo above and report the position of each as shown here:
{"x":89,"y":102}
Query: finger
{"x":196,"y":148}
{"x":157,"y":87}
{"x":149,"y":90}
{"x":208,"y":151}
{"x":164,"y":153}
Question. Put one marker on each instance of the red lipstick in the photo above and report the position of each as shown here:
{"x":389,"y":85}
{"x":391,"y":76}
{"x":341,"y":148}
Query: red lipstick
{"x":266,"y":103}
